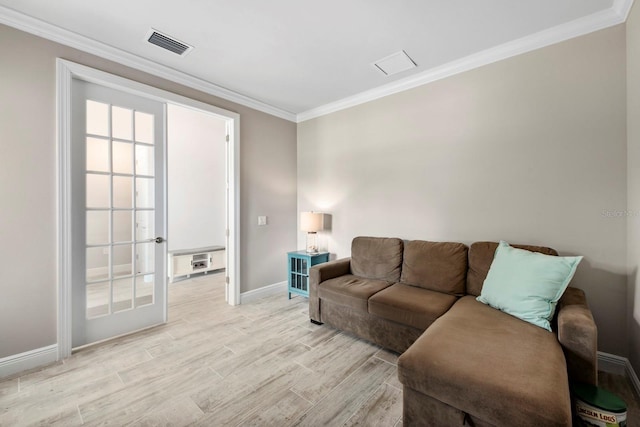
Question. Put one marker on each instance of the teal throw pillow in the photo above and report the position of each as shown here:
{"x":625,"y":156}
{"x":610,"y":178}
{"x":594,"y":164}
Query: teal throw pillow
{"x":527,"y":284}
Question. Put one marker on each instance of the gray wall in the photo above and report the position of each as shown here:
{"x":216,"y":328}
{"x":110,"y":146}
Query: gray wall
{"x":28,"y":186}
{"x":633,"y":169}
{"x":531,"y":149}
{"x":196,"y":176}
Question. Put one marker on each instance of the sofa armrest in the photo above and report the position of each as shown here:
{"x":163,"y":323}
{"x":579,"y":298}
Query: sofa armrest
{"x":578,"y":336}
{"x":318,"y":274}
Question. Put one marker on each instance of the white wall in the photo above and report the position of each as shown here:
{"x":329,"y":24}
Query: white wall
{"x":633,"y":169}
{"x":531,"y":149}
{"x":196,"y":179}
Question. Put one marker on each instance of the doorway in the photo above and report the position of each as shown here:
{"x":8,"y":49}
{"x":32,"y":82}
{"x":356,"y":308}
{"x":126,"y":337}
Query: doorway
{"x":197,"y":192}
{"x":69,"y":230}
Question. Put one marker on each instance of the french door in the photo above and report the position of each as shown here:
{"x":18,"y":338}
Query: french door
{"x":118,"y":213}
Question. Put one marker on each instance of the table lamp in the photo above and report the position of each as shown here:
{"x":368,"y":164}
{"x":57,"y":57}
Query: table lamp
{"x":312,"y":222}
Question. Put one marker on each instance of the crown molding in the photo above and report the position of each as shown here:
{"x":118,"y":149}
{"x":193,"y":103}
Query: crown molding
{"x":617,"y":14}
{"x":622,"y":8}
{"x":51,"y":32}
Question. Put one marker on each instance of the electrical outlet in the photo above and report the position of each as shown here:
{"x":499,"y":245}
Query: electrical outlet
{"x":262,"y":220}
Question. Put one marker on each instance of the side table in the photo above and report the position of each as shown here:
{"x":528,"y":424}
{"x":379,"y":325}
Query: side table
{"x":299,"y":264}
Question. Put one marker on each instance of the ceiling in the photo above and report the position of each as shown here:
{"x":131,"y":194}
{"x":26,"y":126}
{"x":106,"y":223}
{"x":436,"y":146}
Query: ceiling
{"x":300,"y":58}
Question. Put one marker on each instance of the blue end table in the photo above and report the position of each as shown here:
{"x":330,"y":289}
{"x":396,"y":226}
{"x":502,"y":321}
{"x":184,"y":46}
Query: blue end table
{"x":299,"y":264}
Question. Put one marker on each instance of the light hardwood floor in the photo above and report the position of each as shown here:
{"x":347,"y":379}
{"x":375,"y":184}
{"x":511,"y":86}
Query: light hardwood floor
{"x":259,"y":364}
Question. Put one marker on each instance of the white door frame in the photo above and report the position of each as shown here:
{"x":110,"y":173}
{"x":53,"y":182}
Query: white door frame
{"x":66,"y":71}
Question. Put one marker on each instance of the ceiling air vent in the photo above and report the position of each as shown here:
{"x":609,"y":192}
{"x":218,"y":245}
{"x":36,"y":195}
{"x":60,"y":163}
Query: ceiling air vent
{"x":395,"y":63}
{"x":167,"y":42}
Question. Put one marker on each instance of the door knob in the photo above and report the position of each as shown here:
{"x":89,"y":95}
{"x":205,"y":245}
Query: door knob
{"x":159,"y":240}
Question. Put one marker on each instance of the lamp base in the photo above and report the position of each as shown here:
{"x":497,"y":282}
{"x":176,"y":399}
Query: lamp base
{"x":312,"y":243}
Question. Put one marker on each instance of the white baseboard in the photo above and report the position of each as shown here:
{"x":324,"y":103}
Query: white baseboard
{"x":28,"y":360}
{"x":265,"y":291}
{"x":618,"y":365}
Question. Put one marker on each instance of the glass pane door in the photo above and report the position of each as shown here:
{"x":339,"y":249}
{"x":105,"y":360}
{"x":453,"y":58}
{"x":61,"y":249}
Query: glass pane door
{"x":120,"y":184}
{"x":122,"y":284}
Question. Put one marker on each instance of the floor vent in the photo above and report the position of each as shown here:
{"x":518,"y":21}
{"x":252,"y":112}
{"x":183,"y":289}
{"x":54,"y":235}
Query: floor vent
{"x":167,"y":42}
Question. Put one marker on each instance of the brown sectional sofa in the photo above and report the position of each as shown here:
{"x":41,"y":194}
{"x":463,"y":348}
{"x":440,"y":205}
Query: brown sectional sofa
{"x":463,"y":362}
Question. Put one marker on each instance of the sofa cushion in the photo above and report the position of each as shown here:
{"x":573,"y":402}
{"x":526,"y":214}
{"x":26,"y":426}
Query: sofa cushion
{"x":410,"y":305}
{"x":527,"y":284}
{"x":438,"y":266}
{"x":480,"y":259}
{"x":376,"y":258}
{"x":491,"y":365}
{"x":350,"y":290}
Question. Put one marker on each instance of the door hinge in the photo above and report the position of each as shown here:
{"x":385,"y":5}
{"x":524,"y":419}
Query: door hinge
{"x":226,"y":280}
{"x":226,"y":232}
{"x":227,"y":138}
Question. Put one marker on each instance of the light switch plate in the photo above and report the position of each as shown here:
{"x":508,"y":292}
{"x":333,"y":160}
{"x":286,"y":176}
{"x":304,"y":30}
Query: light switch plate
{"x":262,"y":220}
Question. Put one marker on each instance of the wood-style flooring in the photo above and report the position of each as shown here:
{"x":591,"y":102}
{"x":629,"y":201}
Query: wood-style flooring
{"x":258,"y":364}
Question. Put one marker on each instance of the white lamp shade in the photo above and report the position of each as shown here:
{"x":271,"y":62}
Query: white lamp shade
{"x":311,"y":222}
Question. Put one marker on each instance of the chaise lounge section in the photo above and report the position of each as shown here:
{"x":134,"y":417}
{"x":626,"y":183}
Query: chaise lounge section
{"x":463,"y":361}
